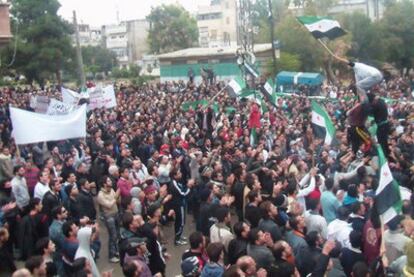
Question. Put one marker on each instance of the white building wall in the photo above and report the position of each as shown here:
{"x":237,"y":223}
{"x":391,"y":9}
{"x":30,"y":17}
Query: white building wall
{"x":217,"y":24}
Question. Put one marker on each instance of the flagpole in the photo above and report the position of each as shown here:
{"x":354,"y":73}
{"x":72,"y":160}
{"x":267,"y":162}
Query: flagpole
{"x":215,"y":96}
{"x":326,"y":47}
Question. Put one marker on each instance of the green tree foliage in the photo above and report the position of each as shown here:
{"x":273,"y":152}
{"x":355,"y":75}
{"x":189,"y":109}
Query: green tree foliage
{"x":398,"y":29}
{"x":98,"y":59}
{"x":44,"y":45}
{"x":287,"y":61}
{"x":365,"y":37}
{"x":132,"y":72}
{"x":261,"y":17}
{"x":295,"y":39}
{"x":171,"y":28}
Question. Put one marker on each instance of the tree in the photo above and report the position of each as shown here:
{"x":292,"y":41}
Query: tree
{"x":397,"y":25}
{"x":287,"y":61}
{"x":366,"y":37}
{"x":261,"y":17}
{"x":98,"y":59}
{"x":44,"y":45}
{"x":171,"y":28}
{"x":295,"y":39}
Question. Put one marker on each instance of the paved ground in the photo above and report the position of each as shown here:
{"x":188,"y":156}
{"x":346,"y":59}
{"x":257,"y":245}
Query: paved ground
{"x":173,"y":265}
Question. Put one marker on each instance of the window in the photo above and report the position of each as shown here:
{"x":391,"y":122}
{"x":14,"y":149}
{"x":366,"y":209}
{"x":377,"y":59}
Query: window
{"x":208,"y":16}
{"x":213,"y":34}
{"x":226,"y":38}
{"x":228,"y":20}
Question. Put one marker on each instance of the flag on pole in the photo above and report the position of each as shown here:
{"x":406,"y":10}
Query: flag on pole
{"x":267,"y":90}
{"x":322,"y":26}
{"x":29,"y":127}
{"x":321,"y":118}
{"x":251,"y":69}
{"x":236,"y":86}
{"x":387,"y":195}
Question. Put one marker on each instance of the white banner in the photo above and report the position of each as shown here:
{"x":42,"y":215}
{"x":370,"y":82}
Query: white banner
{"x":29,"y":127}
{"x":58,"y":108}
{"x":70,"y":97}
{"x":102,"y":98}
{"x":42,"y":103}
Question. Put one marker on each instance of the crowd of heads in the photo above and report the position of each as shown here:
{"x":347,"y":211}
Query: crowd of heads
{"x":284,"y":205}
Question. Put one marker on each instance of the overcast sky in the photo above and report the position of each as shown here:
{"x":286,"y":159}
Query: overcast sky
{"x":101,"y":12}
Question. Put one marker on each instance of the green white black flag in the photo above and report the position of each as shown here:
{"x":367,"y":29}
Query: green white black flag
{"x":387,"y":195}
{"x":322,"y":26}
{"x":236,"y":86}
{"x":321,"y":118}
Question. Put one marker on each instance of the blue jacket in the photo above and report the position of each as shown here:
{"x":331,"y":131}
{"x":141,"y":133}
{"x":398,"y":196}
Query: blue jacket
{"x":212,"y":270}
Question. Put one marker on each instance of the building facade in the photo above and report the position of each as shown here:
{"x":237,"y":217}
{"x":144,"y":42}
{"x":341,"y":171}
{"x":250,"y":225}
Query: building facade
{"x":116,"y":40}
{"x":137,"y":32}
{"x":128,"y":40}
{"x":374,"y":9}
{"x":217,"y":24}
{"x":88,"y":36}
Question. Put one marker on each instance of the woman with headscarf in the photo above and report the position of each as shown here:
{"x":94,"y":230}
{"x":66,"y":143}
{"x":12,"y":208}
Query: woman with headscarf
{"x":84,"y":249}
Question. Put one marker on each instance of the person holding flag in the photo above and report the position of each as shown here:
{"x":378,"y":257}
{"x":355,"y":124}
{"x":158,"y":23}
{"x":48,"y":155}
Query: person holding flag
{"x":366,"y":77}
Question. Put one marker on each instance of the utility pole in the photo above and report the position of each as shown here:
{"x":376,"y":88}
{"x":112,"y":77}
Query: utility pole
{"x":79,"y":53}
{"x":272,"y":32}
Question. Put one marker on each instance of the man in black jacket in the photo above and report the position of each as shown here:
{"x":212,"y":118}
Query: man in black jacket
{"x":379,"y":110}
{"x":179,"y":192}
{"x":204,"y":219}
{"x":238,"y":246}
{"x":85,"y":200}
{"x":52,"y":199}
{"x":352,"y":255}
{"x":253,"y":212}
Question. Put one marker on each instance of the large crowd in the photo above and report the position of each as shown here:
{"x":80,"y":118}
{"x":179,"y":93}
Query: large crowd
{"x":288,"y":205}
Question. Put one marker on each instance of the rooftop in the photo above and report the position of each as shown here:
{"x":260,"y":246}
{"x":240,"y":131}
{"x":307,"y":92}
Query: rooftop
{"x":217,"y":51}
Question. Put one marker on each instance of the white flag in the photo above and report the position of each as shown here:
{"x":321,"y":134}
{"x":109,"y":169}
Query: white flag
{"x":29,"y":127}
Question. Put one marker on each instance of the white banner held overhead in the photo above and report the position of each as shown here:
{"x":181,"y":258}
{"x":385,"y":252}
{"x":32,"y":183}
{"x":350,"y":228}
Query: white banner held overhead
{"x":42,"y":104}
{"x":29,"y":127}
{"x":109,"y":95}
{"x":102,"y":98}
{"x":70,"y":97}
{"x":58,"y":108}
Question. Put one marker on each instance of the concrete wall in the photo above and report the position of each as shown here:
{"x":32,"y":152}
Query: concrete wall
{"x":217,"y":24}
